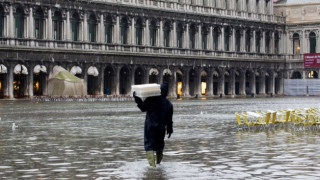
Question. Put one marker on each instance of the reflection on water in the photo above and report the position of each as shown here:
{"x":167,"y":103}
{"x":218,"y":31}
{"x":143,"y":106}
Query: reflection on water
{"x":103,"y":140}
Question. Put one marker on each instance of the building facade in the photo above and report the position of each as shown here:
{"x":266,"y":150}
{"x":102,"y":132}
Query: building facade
{"x":200,"y":47}
{"x":302,"y":29}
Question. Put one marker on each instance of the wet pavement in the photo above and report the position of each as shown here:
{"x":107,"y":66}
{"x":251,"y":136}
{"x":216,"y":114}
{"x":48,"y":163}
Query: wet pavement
{"x":104,"y":140}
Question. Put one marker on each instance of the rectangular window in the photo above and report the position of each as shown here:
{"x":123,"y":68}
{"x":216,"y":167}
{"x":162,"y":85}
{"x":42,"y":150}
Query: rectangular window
{"x":204,"y":41}
{"x":38,"y":29}
{"x":75,"y":31}
{"x":108,"y":33}
{"x":296,"y":47}
{"x":19,"y":27}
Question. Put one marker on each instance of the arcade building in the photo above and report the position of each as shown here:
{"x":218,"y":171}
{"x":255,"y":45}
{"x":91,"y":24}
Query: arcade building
{"x":208,"y":48}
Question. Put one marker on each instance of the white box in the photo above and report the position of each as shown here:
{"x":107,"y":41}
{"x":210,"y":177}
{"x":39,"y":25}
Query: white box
{"x":146,"y":90}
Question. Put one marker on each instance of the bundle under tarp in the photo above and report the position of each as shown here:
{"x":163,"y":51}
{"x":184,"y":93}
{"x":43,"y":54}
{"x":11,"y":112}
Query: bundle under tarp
{"x":64,"y":83}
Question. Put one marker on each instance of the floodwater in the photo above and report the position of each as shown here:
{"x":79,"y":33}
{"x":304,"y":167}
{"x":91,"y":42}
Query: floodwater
{"x":104,"y":140}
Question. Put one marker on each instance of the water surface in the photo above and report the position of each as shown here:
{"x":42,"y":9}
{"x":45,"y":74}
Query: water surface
{"x":104,"y":140}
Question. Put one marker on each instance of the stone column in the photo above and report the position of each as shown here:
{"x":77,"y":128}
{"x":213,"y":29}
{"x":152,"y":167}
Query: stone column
{"x":173,"y":82}
{"x":10,"y":81}
{"x":272,"y":43}
{"x":186,"y":37}
{"x":101,"y":32}
{"x":145,"y":32}
{"x":132,"y":37}
{"x":232,"y":87}
{"x":101,"y":75}
{"x":198,"y":81}
{"x":271,"y":7}
{"x":161,"y":75}
{"x":85,"y":28}
{"x":174,"y":35}
{"x":242,"y":82}
{"x":253,"y":41}
{"x":222,"y":39}
{"x":147,"y":75}
{"x":290,"y":43}
{"x":199,"y":38}
{"x":209,"y":90}
{"x":117,"y":80}
{"x":30,"y":84}
{"x":85,"y":76}
{"x":64,"y":27}
{"x":31,"y":23}
{"x":262,"y":82}
{"x":243,"y":40}
{"x":263,"y":42}
{"x":160,"y":34}
{"x":117,"y":31}
{"x":221,"y":81}
{"x":233,"y":40}
{"x":49,"y":25}
{"x":271,"y":83}
{"x":304,"y":45}
{"x":132,"y":71}
{"x":252,"y":82}
{"x":210,"y":39}
{"x":185,"y":83}
{"x":68,"y":27}
{"x":81,"y":26}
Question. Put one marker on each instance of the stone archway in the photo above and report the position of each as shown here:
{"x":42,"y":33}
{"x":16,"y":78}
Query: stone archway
{"x":312,"y":74}
{"x":248,"y":89}
{"x":192,"y":82}
{"x":138,"y":76}
{"x":167,"y":78}
{"x":20,"y":81}
{"x":215,"y":81}
{"x":296,"y":75}
{"x":124,"y":80}
{"x":204,"y":82}
{"x":257,"y":90}
{"x":226,"y":82}
{"x":237,"y":82}
{"x":109,"y":85}
{"x":277,"y":83}
{"x":153,"y":75}
{"x":39,"y":80}
{"x":179,"y":83}
{"x":93,"y":81}
{"x":77,"y":71}
{"x":267,"y":81}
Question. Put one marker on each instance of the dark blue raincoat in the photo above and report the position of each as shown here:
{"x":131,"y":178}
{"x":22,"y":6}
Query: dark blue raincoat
{"x":158,"y":119}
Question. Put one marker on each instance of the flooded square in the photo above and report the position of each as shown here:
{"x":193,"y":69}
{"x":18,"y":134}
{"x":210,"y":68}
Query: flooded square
{"x":104,"y":140}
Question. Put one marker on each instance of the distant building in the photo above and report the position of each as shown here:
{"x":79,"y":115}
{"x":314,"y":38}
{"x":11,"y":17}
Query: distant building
{"x":302,"y":29}
{"x":200,"y":47}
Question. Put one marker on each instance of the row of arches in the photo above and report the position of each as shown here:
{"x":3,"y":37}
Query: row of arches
{"x":117,"y":80}
{"x":110,"y":79}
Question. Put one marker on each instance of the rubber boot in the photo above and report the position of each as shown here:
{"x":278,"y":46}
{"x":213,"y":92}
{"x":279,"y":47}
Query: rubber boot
{"x":151,"y":158}
{"x":159,"y":157}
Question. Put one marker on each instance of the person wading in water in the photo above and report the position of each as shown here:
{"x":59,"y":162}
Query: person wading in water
{"x":158,"y":121}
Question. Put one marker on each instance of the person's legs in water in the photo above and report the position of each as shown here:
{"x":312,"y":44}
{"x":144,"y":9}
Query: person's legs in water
{"x":159,"y":157}
{"x":151,"y":158}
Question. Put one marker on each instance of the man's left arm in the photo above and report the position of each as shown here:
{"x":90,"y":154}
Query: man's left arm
{"x":169,"y":121}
